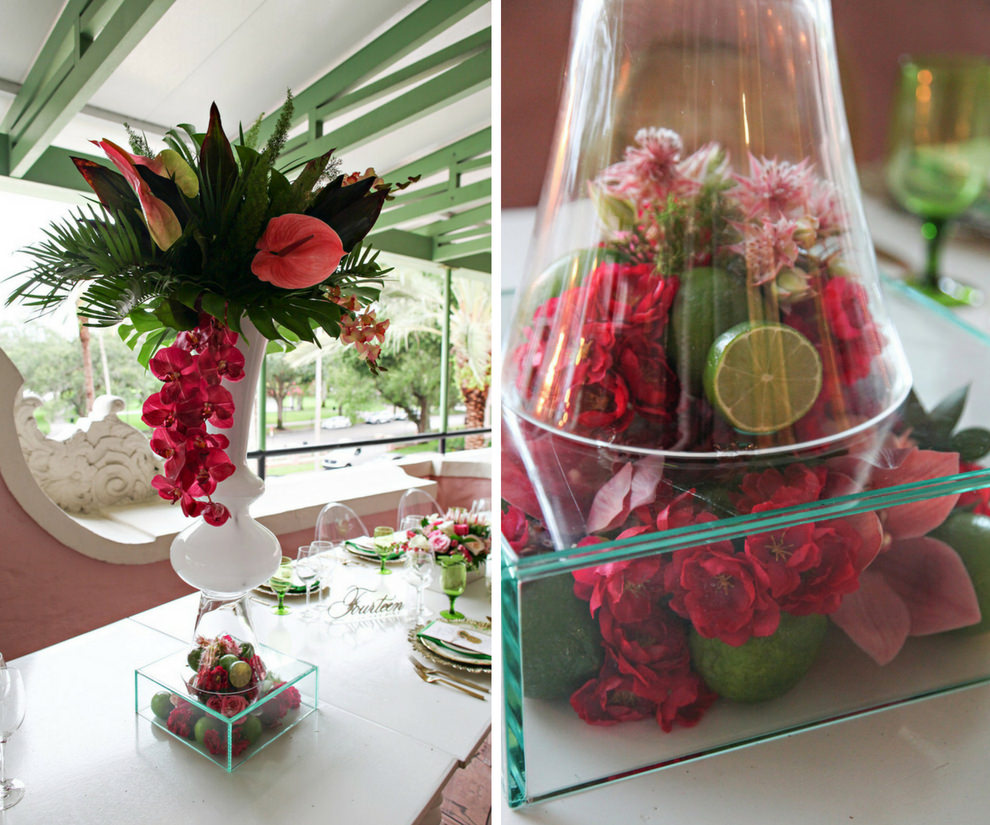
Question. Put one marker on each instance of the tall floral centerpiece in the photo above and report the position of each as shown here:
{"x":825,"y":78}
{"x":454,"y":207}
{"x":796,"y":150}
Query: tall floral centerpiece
{"x":203,"y":253}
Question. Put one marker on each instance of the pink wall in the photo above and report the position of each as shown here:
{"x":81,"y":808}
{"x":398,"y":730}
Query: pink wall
{"x":49,"y":592}
{"x":870,"y":35}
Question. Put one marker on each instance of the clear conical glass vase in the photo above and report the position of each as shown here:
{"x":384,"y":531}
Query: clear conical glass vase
{"x":701,"y":288}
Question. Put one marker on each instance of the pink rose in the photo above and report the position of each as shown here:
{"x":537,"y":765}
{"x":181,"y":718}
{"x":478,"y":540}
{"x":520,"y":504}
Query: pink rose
{"x":461,"y":529}
{"x":232,"y":705}
{"x":439,"y":542}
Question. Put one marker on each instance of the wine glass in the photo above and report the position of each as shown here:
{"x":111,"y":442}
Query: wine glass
{"x":280,"y":584}
{"x":939,"y":154}
{"x":419,"y":563}
{"x":11,"y":716}
{"x":307,"y":569}
{"x":453,"y":579}
{"x":383,"y":546}
{"x":410,"y":523}
{"x":327,"y":557}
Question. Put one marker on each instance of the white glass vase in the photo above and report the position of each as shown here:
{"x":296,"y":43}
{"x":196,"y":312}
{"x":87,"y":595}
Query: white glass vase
{"x":226,"y":562}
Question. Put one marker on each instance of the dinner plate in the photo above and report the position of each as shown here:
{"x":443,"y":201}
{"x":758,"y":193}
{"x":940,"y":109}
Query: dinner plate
{"x":450,"y":658}
{"x":313,"y":588}
{"x":370,"y":555}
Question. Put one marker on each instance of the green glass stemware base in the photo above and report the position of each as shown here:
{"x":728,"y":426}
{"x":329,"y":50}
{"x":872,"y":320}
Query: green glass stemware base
{"x":947,"y":292}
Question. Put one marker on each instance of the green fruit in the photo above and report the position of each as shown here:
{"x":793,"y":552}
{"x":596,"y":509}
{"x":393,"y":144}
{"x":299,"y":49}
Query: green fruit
{"x":205,"y":723}
{"x":251,"y":728}
{"x":561,"y":642}
{"x":247,"y":650}
{"x":227,"y":661}
{"x":764,"y":667}
{"x":194,"y":656}
{"x":161,"y":704}
{"x":762,"y":376}
{"x":969,"y":535}
{"x":708,"y":302}
{"x":239,"y":674}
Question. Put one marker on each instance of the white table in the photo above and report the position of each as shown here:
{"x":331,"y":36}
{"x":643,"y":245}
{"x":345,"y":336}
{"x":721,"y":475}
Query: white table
{"x":378,"y":750}
{"x":919,"y":763}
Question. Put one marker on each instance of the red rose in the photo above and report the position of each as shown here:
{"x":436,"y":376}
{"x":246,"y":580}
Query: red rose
{"x":773,"y":489}
{"x":725,"y":596}
{"x":630,"y":294}
{"x":232,"y":704}
{"x":836,"y":574}
{"x":216,"y":743}
{"x":846,"y":309}
{"x":515,"y":528}
{"x":180,"y":721}
{"x":601,"y":405}
{"x":652,"y":384}
{"x":785,"y":555}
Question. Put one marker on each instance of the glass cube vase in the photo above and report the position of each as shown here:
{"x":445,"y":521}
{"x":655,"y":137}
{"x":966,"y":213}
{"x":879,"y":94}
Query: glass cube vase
{"x":290,"y":694}
{"x":615,"y":664}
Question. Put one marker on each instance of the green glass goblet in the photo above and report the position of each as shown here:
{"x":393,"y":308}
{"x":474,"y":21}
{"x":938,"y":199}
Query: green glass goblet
{"x":280,"y":584}
{"x":383,"y":546}
{"x":453,"y":579}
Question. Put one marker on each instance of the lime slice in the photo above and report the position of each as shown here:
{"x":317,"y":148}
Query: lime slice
{"x":762,"y":376}
{"x":239,"y":674}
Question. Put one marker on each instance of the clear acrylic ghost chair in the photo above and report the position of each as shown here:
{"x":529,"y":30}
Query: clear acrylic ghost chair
{"x":416,"y":502}
{"x":338,"y":523}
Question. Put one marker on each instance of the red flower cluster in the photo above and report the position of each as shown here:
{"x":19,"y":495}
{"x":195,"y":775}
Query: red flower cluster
{"x":182,"y":720}
{"x":192,"y":397}
{"x":612,"y":327}
{"x":216,"y":742}
{"x":273,"y":711}
{"x":647,"y":669}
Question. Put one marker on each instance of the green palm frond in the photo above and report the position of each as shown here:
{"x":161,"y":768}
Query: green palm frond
{"x":89,"y":247}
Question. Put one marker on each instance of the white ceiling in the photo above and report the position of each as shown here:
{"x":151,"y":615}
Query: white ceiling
{"x":242,"y":54}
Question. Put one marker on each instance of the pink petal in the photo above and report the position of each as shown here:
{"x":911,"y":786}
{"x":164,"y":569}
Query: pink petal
{"x":646,"y":476}
{"x":920,"y":517}
{"x":870,"y":531}
{"x":875,"y":618}
{"x":932,"y":581}
{"x":611,"y":505}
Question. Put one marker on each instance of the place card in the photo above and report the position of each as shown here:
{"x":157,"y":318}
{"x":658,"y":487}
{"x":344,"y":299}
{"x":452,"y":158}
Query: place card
{"x":464,"y":638}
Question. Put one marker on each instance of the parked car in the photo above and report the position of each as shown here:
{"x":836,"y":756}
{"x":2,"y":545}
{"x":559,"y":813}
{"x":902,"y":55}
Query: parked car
{"x":380,"y":417}
{"x":337,"y":422}
{"x":341,"y":458}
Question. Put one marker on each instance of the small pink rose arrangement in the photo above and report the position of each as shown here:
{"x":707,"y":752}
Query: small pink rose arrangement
{"x":456,"y":532}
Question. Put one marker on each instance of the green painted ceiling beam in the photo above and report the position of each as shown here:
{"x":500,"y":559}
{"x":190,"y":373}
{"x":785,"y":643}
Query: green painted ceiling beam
{"x":417,"y":28}
{"x":100,"y":37}
{"x":469,"y":217}
{"x":461,"y":196}
{"x":439,"y":61}
{"x":478,"y":143}
{"x":452,"y":251}
{"x":482,"y":231}
{"x":399,"y":242}
{"x":482,"y":262}
{"x":450,"y":86}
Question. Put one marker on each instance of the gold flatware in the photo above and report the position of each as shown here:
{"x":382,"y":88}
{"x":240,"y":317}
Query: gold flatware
{"x":468,"y":637}
{"x":437,"y":680}
{"x":430,"y":671}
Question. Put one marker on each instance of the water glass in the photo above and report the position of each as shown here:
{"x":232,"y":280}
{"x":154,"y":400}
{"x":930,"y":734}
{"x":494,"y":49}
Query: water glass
{"x":11,"y":716}
{"x":306,"y":569}
{"x":419,"y":564}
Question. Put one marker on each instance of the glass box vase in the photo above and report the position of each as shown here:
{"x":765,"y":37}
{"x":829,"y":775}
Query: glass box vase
{"x":728,"y":516}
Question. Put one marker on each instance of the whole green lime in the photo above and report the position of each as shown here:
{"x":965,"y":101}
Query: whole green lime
{"x":247,"y":650}
{"x":764,"y":667}
{"x":227,"y":660}
{"x":205,"y":723}
{"x":251,"y":728}
{"x":239,"y":674}
{"x":194,"y":656}
{"x":561,"y":642}
{"x":969,"y":535}
{"x":709,"y":301}
{"x":161,"y":704}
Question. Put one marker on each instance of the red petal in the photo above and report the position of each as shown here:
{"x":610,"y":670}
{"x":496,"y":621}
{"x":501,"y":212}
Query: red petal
{"x":921,"y":517}
{"x":933,"y":582}
{"x":874,"y":617}
{"x":611,"y":504}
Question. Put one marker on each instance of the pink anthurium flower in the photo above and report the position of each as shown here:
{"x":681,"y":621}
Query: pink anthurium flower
{"x":162,"y":223}
{"x":297,"y":251}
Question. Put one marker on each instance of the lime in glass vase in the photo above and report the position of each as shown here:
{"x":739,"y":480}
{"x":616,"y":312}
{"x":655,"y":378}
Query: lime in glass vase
{"x":939,"y":155}
{"x":453,"y":579}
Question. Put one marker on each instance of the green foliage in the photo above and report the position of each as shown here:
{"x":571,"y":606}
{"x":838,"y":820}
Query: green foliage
{"x":108,"y":252}
{"x":934,"y":430}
